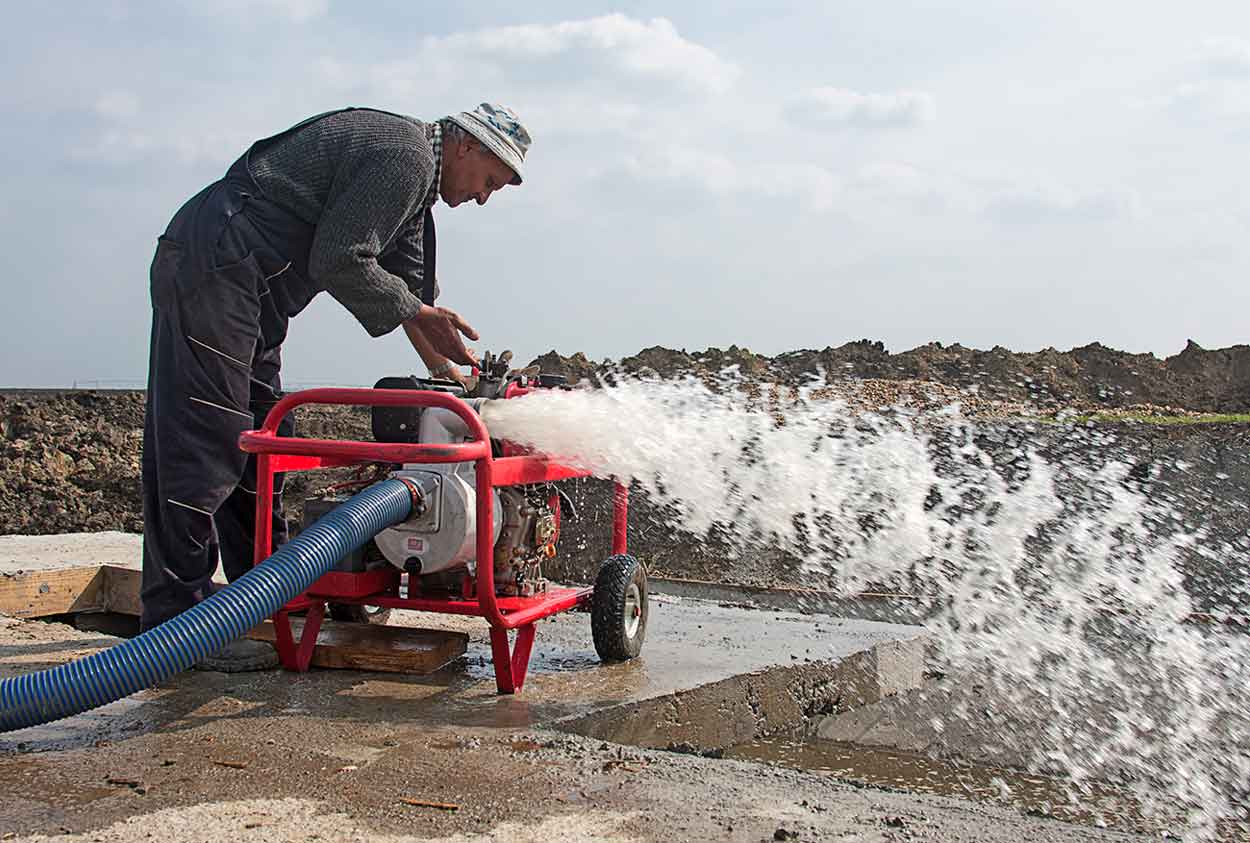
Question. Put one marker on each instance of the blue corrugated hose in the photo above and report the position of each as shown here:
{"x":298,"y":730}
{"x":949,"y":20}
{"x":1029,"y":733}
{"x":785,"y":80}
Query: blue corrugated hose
{"x":202,"y":630}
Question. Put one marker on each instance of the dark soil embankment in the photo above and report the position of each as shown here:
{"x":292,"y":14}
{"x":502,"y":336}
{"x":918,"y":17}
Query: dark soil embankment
{"x":1092,"y":376}
{"x":69,"y":461}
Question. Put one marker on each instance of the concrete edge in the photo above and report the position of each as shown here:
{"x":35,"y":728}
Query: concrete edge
{"x":885,"y":608}
{"x":712,"y":717}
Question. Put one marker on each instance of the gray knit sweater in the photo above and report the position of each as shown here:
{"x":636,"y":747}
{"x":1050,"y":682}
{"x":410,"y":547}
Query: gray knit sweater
{"x":363,"y":179}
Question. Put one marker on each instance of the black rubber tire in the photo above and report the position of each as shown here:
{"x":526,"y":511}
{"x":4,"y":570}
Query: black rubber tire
{"x":622,"y":579}
{"x":352,"y":613}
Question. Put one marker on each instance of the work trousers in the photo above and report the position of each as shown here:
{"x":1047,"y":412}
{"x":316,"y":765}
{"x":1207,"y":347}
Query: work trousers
{"x":213,"y":373}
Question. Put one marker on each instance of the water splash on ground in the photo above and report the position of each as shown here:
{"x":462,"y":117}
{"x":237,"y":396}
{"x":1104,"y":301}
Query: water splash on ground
{"x":1053,"y":578}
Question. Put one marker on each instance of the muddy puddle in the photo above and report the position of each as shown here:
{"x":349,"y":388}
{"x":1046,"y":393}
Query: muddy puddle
{"x":1093,"y":804}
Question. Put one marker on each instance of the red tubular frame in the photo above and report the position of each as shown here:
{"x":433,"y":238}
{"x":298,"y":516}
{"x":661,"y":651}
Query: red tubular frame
{"x":277,"y":454}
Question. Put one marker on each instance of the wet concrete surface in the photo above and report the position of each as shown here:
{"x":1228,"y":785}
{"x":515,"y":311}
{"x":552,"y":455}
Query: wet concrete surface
{"x":344,"y":755}
{"x":689,"y":644}
{"x":1096,"y":803}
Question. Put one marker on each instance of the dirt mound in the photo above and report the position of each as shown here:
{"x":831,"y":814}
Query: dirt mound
{"x":69,"y":461}
{"x":1089,"y":377}
{"x":576,"y":368}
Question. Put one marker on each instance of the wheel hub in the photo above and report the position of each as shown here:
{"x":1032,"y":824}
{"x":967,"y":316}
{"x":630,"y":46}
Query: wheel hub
{"x":633,"y":610}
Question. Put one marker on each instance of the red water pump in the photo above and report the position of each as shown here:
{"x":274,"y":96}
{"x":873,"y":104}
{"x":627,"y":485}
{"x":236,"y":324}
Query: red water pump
{"x":486,"y":516}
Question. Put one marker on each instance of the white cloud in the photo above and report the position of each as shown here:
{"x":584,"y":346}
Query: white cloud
{"x":1218,"y":100}
{"x":585,"y":114}
{"x":298,"y":11}
{"x":623,"y":46}
{"x":1032,"y":205}
{"x":1216,"y":84}
{"x":620,"y":79}
{"x":185,"y":145}
{"x":597,"y":94}
{"x":1224,"y":57}
{"x":605,"y":75}
{"x":825,"y":108}
{"x":896,"y":181}
{"x":117,"y":104}
{"x":893,"y":177}
{"x":685,"y":168}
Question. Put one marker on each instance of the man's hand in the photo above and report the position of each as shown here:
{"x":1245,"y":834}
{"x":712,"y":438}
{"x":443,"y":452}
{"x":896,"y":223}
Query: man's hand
{"x":441,"y":327}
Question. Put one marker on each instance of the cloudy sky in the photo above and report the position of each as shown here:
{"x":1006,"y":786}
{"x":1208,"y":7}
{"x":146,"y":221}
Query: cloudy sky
{"x":778,"y":175}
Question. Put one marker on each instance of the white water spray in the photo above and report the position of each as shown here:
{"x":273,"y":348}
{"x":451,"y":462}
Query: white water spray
{"x":1052,"y":579}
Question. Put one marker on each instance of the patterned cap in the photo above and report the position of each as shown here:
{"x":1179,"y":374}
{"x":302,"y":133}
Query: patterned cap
{"x":500,"y":131}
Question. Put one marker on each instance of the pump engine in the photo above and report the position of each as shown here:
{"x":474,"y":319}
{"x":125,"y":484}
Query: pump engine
{"x":436,"y":546}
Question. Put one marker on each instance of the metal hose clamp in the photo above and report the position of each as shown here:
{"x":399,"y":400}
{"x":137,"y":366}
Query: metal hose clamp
{"x":416,"y":493}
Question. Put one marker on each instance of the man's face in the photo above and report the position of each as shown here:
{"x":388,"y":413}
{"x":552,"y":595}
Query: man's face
{"x":472,"y":172}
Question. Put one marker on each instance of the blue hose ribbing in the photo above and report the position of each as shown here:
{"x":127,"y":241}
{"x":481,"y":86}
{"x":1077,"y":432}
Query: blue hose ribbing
{"x":172,"y":647}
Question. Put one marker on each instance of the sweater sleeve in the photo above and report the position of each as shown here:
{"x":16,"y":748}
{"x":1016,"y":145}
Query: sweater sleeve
{"x":372,"y":196}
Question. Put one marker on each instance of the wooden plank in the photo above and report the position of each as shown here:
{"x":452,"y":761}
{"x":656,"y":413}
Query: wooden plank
{"x":112,"y":588}
{"x":386,"y":649}
{"x":57,"y":591}
{"x":120,"y":590}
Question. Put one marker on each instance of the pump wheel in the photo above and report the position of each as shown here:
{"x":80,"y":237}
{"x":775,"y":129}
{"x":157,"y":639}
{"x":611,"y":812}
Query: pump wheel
{"x":353,"y":613}
{"x":618,"y":616}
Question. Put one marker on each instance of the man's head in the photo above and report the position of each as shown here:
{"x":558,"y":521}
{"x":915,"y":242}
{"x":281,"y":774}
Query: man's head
{"x":483,"y":150}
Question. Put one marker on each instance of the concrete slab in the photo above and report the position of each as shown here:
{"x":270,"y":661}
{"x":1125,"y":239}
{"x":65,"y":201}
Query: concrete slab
{"x":689,"y":644}
{"x":341,"y":755}
{"x":765,"y":670}
{"x":345,"y":755}
{"x":65,"y":550}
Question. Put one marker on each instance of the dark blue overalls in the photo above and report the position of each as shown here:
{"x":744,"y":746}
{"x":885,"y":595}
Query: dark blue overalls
{"x":229,"y":272}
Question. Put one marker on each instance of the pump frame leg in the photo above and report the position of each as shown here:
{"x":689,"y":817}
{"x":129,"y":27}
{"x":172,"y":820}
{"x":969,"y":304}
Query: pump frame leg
{"x":298,"y":657}
{"x":511,"y":667}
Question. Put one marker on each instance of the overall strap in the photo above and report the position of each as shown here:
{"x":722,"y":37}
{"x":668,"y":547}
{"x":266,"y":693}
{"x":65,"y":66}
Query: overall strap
{"x":309,"y":121}
{"x":247,"y":156}
{"x":428,"y":253}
